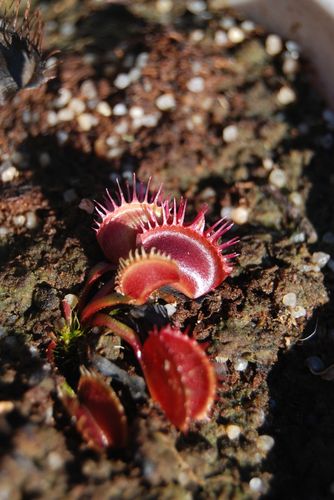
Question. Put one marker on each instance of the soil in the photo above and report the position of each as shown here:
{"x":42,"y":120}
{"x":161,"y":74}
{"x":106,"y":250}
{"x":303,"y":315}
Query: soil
{"x":229,"y":139}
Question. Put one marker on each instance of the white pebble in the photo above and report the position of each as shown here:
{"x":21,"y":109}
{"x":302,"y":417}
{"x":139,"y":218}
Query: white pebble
{"x":196,"y":6}
{"x":227,"y":22}
{"x":151,"y":120}
{"x":122,"y":81}
{"x":290,"y":299}
{"x":196,"y":84}
{"x":136,"y":112}
{"x":115,"y":152}
{"x":3,"y":232}
{"x":298,"y":312}
{"x":70,"y":195}
{"x":315,"y":364}
{"x":296,"y":198}
{"x":122,"y":127}
{"x":55,"y":461}
{"x":240,"y":365}
{"x":63,"y":98}
{"x":221,"y":38}
{"x":268,"y":163}
{"x":240,"y":215}
{"x":274,"y":45}
{"x":298,"y":237}
{"x":87,"y":121}
{"x":165,"y":102}
{"x":8,"y":173}
{"x":265,"y":442}
{"x":52,"y":118}
{"x":104,"y":109}
{"x":164,"y":6}
{"x":142,"y":59}
{"x":120,"y":109}
{"x":226,"y":212}
{"x":230,"y":133}
{"x":290,"y":66}
{"x":320,"y":258}
{"x":77,"y":106}
{"x":196,"y":36}
{"x":44,"y":159}
{"x":293,"y":48}
{"x":233,"y":431}
{"x":65,"y":115}
{"x":235,"y":35}
{"x":277,"y":178}
{"x":31,"y":220}
{"x":62,"y":137}
{"x":171,"y":309}
{"x":247,"y":26}
{"x":19,"y":220}
{"x":88,"y":89}
{"x":256,"y":484}
{"x":286,"y":95}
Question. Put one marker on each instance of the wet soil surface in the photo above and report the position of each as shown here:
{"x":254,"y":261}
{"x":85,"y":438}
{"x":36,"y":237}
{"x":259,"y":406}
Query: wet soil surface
{"x":173,"y":93}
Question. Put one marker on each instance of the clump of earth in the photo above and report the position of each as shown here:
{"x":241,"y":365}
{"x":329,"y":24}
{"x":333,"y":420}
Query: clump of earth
{"x":220,"y":112}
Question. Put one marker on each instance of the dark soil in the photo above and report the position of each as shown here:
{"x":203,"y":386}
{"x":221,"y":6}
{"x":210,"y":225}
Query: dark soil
{"x":258,"y":344}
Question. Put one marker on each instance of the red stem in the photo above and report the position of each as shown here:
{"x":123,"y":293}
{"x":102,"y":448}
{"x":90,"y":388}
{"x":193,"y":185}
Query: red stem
{"x":94,"y":274}
{"x":118,"y":328}
{"x":101,"y":303}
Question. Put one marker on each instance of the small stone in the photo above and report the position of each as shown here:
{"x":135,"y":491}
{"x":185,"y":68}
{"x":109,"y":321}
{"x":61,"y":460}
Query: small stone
{"x":230,"y":133}
{"x":256,"y":484}
{"x":196,"y":84}
{"x":235,"y":35}
{"x":86,"y":121}
{"x":122,"y":127}
{"x":290,"y":299}
{"x":296,"y":199}
{"x":298,"y":312}
{"x":240,"y":215}
{"x":6,"y":407}
{"x":293,"y":48}
{"x":320,"y":259}
{"x":88,"y":89}
{"x":226,"y":212}
{"x":265,"y":442}
{"x":77,"y":106}
{"x":122,"y":81}
{"x":8,"y":172}
{"x":221,"y":38}
{"x":70,"y":195}
{"x":171,"y":309}
{"x":247,"y":26}
{"x":3,"y":232}
{"x":31,"y":220}
{"x":134,"y":74}
{"x":165,"y":102}
{"x":65,"y":115}
{"x":196,"y":6}
{"x":227,"y":22}
{"x":290,"y":66}
{"x":328,"y":237}
{"x":196,"y":36}
{"x":314,"y":364}
{"x":277,"y":178}
{"x":104,"y":109}
{"x":19,"y":220}
{"x":63,"y":98}
{"x":233,"y":431}
{"x":62,"y":137}
{"x":273,"y":45}
{"x":142,"y":59}
{"x":55,"y":461}
{"x":151,"y":120}
{"x":52,"y":118}
{"x":136,"y":112}
{"x":164,"y":6}
{"x":286,"y":95}
{"x":44,"y":159}
{"x":120,"y":109}
{"x":268,"y":164}
{"x":240,"y":365}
